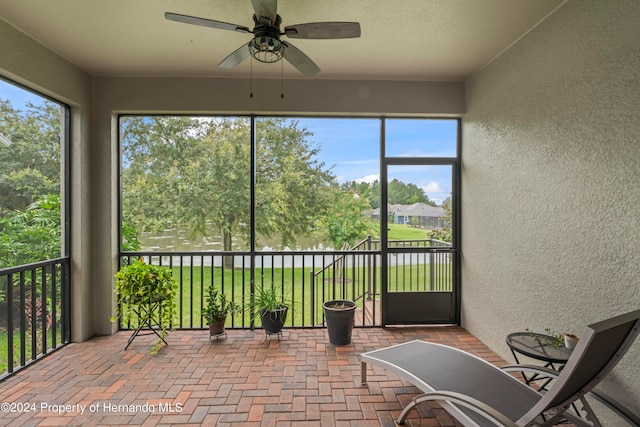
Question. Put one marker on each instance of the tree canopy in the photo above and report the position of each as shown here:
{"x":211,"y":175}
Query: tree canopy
{"x":30,"y":221}
{"x":31,"y":164}
{"x":195,"y":172}
{"x":31,"y":235}
{"x":399,"y":193}
{"x":345,"y":220}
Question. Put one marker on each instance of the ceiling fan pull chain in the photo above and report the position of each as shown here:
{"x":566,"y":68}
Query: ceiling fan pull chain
{"x":251,"y":78}
{"x":282,"y":80}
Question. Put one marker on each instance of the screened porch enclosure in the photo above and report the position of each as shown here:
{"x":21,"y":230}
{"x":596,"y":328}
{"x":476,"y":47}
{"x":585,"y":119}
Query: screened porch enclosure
{"x":243,"y":203}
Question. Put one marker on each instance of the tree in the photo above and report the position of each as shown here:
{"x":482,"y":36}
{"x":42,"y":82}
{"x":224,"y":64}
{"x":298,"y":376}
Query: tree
{"x":292,"y":185}
{"x":31,"y":235}
{"x":153,"y":149}
{"x":345,"y":220}
{"x":399,"y":193}
{"x":445,"y":233}
{"x":213,"y":187}
{"x":31,"y":164}
{"x":366,"y":190}
{"x":195,"y":173}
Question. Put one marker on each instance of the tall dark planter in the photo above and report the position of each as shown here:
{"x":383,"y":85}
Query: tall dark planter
{"x":273,"y":320}
{"x":340,"y":315}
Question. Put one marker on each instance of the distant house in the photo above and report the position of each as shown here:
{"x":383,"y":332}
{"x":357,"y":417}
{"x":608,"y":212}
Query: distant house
{"x":375,"y":213}
{"x":418,"y":214}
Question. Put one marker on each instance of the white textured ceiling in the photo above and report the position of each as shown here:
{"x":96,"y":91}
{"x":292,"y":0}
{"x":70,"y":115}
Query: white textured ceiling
{"x":418,"y":40}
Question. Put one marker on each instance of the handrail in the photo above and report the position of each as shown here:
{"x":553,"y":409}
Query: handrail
{"x":32,"y":266}
{"x":433,"y":244}
{"x":370,"y":242}
{"x":35,"y":311}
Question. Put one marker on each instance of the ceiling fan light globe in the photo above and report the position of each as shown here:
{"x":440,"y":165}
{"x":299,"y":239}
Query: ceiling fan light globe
{"x":266,"y":49}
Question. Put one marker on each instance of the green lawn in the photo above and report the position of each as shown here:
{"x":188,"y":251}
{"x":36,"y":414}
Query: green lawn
{"x":406,"y":232}
{"x":295,"y":284}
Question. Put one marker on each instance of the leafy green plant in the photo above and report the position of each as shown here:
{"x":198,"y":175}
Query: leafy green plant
{"x":31,"y":235}
{"x":267,"y":299}
{"x":218,"y":306}
{"x":550,"y":337}
{"x":130,"y":238}
{"x":146,"y":288}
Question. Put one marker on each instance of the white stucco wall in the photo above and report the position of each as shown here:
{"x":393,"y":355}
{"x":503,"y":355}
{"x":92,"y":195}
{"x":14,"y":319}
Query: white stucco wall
{"x":551,"y":182}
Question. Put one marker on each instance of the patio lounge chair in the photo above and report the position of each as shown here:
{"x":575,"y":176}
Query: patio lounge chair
{"x":478,"y":393}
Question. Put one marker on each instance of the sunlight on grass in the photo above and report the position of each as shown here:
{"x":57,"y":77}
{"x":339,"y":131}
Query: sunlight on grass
{"x":406,"y":232}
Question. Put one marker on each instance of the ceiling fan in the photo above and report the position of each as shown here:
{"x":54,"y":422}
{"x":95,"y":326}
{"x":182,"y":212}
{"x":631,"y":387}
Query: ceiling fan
{"x":266,"y":45}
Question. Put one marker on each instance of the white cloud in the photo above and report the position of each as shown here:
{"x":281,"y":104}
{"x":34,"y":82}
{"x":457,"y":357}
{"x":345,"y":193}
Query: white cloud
{"x":433,"y":187}
{"x":369,"y":178}
{"x":435,"y":192}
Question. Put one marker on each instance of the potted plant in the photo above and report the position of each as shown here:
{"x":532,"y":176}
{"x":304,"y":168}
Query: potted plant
{"x":216,"y":311}
{"x":145,"y":299}
{"x":340,"y":317}
{"x":555,"y":339}
{"x":570,"y":340}
{"x":272,"y":307}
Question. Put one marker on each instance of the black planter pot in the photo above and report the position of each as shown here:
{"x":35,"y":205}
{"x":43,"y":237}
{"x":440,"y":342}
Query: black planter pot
{"x":217,"y":327}
{"x":340,"y":315}
{"x":273,"y":320}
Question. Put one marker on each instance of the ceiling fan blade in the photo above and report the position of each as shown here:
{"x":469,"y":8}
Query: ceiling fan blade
{"x":266,"y":9}
{"x":323,"y":30}
{"x":236,"y":57}
{"x":298,"y":59}
{"x":205,"y":22}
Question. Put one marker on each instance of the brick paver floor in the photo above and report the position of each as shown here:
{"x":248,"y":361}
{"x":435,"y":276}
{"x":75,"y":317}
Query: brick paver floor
{"x":245,"y":380}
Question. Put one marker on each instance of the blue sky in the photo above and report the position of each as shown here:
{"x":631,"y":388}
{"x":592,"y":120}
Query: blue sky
{"x":18,"y":96}
{"x":352,"y":147}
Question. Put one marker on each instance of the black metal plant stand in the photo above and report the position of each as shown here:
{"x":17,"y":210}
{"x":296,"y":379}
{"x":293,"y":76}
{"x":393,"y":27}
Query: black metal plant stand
{"x":270,"y":334}
{"x":148,"y":321}
{"x":221,"y":335}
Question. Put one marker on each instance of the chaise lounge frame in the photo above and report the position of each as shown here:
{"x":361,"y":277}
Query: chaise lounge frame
{"x":478,"y":393}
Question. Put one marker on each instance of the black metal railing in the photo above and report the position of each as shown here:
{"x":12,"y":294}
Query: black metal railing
{"x":306,"y":278}
{"x":234,"y":274}
{"x":34,"y":312}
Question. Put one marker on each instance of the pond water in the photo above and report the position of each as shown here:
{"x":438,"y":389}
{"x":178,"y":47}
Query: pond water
{"x":175,"y":240}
